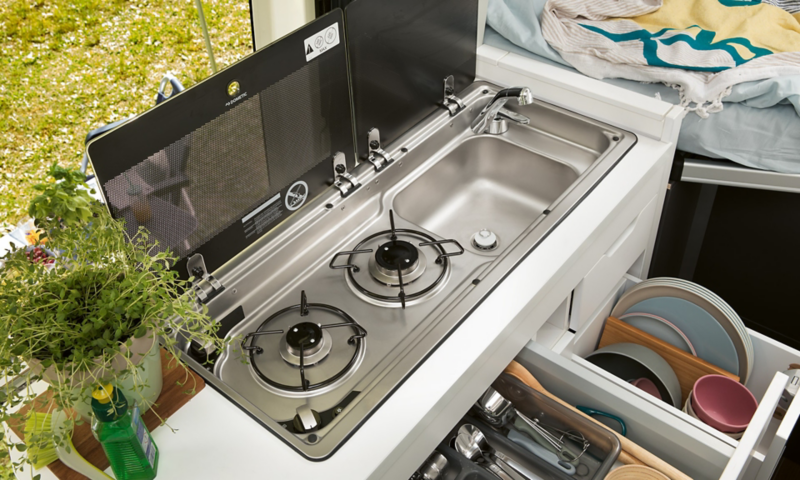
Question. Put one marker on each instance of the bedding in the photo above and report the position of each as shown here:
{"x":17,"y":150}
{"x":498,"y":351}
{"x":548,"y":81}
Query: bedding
{"x":700,"y":47}
{"x":759,"y":127}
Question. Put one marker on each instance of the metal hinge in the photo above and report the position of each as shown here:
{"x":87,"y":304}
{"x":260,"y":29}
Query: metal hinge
{"x":205,"y":286}
{"x":343,"y":181}
{"x":376,"y":152}
{"x":452,"y":103}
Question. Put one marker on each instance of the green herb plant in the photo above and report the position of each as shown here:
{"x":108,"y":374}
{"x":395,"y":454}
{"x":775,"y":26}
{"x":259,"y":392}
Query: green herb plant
{"x":74,"y":315}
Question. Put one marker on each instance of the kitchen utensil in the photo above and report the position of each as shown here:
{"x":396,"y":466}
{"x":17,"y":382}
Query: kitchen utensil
{"x":541,"y":452}
{"x":598,"y":459}
{"x":491,"y":403}
{"x":494,"y":408}
{"x":593,"y":412}
{"x":660,"y":328}
{"x":629,"y":360}
{"x":723,"y":403}
{"x":555,"y":439}
{"x":433,"y":468}
{"x":635,"y":472}
{"x":631,"y":452}
{"x":646,"y":385}
{"x":687,"y":367}
{"x":513,"y":466}
{"x":703,"y":298}
{"x":523,"y":427}
{"x":469,"y":442}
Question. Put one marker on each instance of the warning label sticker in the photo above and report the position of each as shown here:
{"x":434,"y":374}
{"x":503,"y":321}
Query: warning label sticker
{"x":321,"y":42}
{"x":261,"y":219}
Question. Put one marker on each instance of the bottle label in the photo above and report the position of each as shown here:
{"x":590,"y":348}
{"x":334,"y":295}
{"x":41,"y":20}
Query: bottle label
{"x":148,"y":447}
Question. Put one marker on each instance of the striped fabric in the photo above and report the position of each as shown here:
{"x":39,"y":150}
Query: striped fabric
{"x":700,"y":47}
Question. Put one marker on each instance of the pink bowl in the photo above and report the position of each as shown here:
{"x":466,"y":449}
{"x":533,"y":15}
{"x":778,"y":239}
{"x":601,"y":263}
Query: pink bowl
{"x":647,"y":385}
{"x":723,"y":403}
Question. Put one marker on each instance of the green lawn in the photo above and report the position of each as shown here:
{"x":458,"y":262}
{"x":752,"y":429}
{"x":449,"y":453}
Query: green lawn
{"x":69,"y":66}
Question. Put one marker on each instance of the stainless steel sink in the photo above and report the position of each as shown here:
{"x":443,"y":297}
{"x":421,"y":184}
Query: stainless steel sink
{"x":485,"y":183}
{"x":503,"y":183}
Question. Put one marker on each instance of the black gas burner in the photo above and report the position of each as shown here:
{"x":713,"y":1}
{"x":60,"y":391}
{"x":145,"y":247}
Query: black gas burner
{"x":397,"y":259}
{"x":305,"y":344}
{"x":397,"y":263}
{"x":397,"y":255}
{"x":304,"y":337}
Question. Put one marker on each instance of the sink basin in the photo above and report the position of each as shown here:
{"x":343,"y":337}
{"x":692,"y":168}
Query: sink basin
{"x":485,"y":183}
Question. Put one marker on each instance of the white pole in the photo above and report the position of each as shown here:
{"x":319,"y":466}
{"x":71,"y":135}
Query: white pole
{"x":202,"y":17}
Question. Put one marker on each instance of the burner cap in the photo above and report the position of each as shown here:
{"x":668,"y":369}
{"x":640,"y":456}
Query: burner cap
{"x":307,"y":334}
{"x":397,"y":255}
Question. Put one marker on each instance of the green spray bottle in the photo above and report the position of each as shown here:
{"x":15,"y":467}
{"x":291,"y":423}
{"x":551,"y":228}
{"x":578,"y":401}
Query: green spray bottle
{"x":120,"y":430}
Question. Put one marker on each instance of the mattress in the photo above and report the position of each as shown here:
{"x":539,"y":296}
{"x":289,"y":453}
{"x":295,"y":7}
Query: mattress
{"x":763,"y":138}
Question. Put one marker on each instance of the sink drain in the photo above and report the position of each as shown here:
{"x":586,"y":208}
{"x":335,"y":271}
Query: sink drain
{"x":485,"y":240}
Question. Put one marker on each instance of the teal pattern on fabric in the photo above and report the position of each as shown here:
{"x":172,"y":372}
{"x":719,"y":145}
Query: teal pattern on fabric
{"x":704,"y":41}
{"x":739,"y":3}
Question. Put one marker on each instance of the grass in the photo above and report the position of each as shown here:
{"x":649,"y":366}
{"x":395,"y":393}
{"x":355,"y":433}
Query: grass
{"x":70,"y":66}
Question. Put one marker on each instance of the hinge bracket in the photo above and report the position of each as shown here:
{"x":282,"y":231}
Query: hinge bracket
{"x":452,"y":103}
{"x":205,"y":285}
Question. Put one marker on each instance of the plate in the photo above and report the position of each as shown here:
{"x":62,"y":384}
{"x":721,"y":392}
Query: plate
{"x":719,"y":309}
{"x":660,"y":328}
{"x":730,"y":313}
{"x":699,"y":296}
{"x":711,"y":341}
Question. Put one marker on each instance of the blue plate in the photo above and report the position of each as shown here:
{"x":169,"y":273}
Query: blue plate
{"x":709,"y":339}
{"x":660,"y":328}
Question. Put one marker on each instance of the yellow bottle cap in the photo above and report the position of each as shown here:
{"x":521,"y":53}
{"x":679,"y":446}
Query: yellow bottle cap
{"x":103,"y":393}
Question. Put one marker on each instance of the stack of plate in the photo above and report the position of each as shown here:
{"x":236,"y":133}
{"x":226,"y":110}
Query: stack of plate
{"x":691,"y":318}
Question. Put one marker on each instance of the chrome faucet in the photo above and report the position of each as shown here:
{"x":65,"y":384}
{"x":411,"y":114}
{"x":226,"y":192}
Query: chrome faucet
{"x":493,"y":118}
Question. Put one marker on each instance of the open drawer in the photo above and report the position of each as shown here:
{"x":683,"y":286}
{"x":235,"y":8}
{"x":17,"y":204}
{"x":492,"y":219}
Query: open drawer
{"x":692,"y":446}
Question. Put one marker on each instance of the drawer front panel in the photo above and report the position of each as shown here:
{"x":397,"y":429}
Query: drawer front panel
{"x":616,"y":260}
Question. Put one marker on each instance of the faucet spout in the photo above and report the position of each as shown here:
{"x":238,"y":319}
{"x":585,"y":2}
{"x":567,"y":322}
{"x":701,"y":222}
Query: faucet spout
{"x":485,"y":119}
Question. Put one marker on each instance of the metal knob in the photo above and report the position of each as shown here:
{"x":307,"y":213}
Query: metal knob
{"x":306,"y":420}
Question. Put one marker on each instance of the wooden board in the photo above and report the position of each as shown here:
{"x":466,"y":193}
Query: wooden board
{"x":687,"y":367}
{"x":172,"y":398}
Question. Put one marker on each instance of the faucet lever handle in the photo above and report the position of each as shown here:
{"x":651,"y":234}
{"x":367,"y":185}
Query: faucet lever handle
{"x":513,"y":116}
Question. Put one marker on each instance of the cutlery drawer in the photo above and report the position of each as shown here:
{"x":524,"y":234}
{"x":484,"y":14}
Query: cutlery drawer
{"x":698,"y":449}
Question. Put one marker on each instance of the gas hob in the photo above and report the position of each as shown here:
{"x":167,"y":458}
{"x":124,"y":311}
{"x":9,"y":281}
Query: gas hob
{"x":311,"y":358}
{"x":342,"y":302}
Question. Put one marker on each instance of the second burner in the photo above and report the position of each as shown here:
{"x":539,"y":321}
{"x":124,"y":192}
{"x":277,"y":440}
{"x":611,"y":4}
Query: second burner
{"x":311,"y":338}
{"x":394,"y":256}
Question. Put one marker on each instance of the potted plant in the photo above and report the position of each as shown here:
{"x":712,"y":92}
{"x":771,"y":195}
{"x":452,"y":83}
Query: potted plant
{"x":95,"y":314}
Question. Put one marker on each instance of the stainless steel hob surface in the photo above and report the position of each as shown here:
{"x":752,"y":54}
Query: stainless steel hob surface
{"x":454,"y":213}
